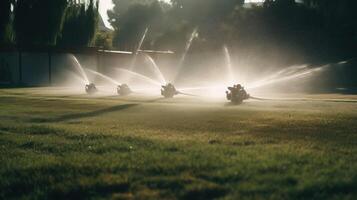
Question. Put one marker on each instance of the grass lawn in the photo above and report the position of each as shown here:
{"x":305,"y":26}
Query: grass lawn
{"x":67,"y":146}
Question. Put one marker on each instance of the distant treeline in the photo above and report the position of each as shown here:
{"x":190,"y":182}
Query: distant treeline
{"x":302,"y":30}
{"x":299,"y":30}
{"x":48,"y":22}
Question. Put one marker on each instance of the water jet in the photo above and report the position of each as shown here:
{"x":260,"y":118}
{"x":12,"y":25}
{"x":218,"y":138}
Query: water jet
{"x":80,"y":69}
{"x":157,"y":70}
{"x":229,"y":65}
{"x":139,"y":76}
{"x":137,"y":50}
{"x":104,"y":77}
{"x":187,"y":48}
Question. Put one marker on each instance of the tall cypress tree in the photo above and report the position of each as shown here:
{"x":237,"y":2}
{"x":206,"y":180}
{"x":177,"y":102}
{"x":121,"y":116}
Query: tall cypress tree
{"x":80,"y":24}
{"x":38,"y":22}
{"x":5,"y":21}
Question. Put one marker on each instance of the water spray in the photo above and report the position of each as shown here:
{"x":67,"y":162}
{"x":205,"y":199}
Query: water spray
{"x":188,"y":45}
{"x":104,"y":77}
{"x":133,"y":62}
{"x":229,"y":64}
{"x":139,"y":76}
{"x":187,"y":48}
{"x":157,"y":70}
{"x":80,"y":69}
{"x":237,"y":93}
{"x":289,"y":74}
{"x":142,"y":40}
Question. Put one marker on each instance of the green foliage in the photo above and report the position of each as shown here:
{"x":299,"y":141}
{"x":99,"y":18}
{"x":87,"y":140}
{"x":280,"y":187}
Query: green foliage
{"x":63,"y":22}
{"x":104,"y":39}
{"x":311,"y":28}
{"x":38,"y":21}
{"x":338,"y":16}
{"x":121,"y":6}
{"x":211,"y":11}
{"x":5,"y":22}
{"x":165,"y":20}
{"x":306,"y":28}
{"x":80,"y":24}
{"x":130,"y":19}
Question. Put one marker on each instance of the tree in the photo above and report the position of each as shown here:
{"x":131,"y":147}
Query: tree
{"x":338,"y":16}
{"x":211,"y":17}
{"x":80,"y":24}
{"x":5,"y":21}
{"x":38,"y":22}
{"x":104,"y":39}
{"x":130,"y":19}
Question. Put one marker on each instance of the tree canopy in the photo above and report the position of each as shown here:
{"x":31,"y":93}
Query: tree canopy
{"x":308,"y":27}
{"x":44,"y":22}
{"x":5,"y":21}
{"x":80,"y":24}
{"x":38,"y":21}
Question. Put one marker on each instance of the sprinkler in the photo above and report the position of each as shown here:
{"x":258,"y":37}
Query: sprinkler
{"x":124,"y":90}
{"x":169,"y":91}
{"x":237,"y":94}
{"x":90,"y":88}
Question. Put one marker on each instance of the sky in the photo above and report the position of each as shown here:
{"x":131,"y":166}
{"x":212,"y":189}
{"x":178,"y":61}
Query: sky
{"x":105,"y":5}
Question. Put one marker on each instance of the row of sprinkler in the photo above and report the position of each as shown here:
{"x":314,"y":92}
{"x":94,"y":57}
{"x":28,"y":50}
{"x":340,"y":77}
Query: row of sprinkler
{"x":236,"y":94}
{"x":122,"y":90}
{"x":167,"y":91}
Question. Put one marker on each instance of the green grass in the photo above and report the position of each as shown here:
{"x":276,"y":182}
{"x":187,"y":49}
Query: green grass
{"x":56,"y":146}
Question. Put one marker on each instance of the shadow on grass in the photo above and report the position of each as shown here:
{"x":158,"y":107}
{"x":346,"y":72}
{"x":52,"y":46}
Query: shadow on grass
{"x":327,"y":190}
{"x":155,"y":100}
{"x":72,"y":182}
{"x":140,"y":101}
{"x":86,"y":114}
{"x":205,"y":192}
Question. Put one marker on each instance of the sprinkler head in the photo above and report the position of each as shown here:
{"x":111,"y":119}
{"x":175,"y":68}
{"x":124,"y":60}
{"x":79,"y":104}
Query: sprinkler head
{"x":237,"y":94}
{"x":90,"y":88}
{"x":169,"y":91}
{"x":124,"y":90}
